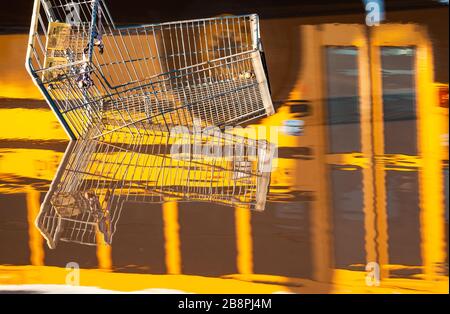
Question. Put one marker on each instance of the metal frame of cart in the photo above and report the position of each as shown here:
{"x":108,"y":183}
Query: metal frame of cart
{"x":101,"y":77}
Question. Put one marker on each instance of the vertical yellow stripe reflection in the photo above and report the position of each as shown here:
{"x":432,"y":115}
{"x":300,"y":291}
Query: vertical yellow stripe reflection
{"x":172,"y":237}
{"x":104,"y":254}
{"x":244,"y":243}
{"x":431,"y":177}
{"x":35,"y":238}
{"x":381,"y":236}
{"x":104,"y":251}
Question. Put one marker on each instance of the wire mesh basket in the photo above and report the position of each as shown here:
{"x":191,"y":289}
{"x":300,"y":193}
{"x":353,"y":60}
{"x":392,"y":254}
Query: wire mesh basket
{"x":101,"y":77}
{"x":97,"y":178}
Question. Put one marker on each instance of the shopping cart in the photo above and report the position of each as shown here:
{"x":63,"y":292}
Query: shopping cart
{"x":97,"y":179}
{"x":100,"y":78}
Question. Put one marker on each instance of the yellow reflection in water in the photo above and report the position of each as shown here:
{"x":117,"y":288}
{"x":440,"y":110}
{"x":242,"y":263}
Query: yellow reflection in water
{"x":30,"y":124}
{"x":244,"y":243}
{"x":29,"y":163}
{"x":36,"y":242}
{"x":14,"y":80}
{"x":172,"y":237}
{"x":35,"y":125}
{"x":344,"y":281}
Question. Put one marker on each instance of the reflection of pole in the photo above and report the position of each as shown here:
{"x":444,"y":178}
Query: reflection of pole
{"x":104,"y":257}
{"x":430,"y":177}
{"x":244,"y":243}
{"x":381,"y":237}
{"x":35,"y":239}
{"x":172,"y":237}
{"x":312,"y":75}
{"x":368,"y":171}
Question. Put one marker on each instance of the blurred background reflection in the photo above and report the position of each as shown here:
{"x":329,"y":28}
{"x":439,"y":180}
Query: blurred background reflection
{"x":361,"y":176}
